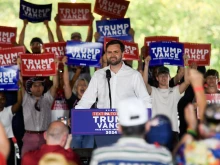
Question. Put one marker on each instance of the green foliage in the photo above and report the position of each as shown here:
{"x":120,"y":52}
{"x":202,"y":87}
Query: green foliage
{"x":191,"y":20}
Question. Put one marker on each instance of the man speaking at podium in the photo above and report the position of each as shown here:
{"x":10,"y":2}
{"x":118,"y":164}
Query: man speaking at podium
{"x":111,"y":84}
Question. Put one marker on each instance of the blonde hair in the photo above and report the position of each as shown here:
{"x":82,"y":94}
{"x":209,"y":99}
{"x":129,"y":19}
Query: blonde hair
{"x":54,"y":159}
{"x":76,"y":84}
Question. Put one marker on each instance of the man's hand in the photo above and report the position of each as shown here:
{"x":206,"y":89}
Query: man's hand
{"x":68,"y":141}
{"x":91,"y":17}
{"x":56,"y":19}
{"x":144,"y":52}
{"x":46,"y":22}
{"x":64,"y":60}
{"x":147,"y":60}
{"x":97,"y":36}
{"x":131,"y":32}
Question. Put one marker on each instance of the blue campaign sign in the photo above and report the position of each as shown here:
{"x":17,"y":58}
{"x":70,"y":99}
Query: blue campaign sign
{"x":35,"y":13}
{"x":166,"y":53}
{"x":115,"y":28}
{"x":95,"y":121}
{"x":84,"y":53}
{"x":9,"y":77}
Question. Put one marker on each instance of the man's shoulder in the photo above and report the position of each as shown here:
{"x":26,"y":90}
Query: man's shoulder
{"x":31,"y":157}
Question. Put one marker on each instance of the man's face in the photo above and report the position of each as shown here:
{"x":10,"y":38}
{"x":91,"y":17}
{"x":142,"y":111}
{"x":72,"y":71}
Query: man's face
{"x":114,"y":54}
{"x":163,"y":79}
{"x":2,"y":100}
{"x":37,"y":89}
{"x":212,"y":81}
{"x":36,"y":47}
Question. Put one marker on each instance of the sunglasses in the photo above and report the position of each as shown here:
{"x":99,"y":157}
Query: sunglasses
{"x":36,"y":106}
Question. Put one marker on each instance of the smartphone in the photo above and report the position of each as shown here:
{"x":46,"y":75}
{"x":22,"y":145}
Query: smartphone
{"x":63,"y":119}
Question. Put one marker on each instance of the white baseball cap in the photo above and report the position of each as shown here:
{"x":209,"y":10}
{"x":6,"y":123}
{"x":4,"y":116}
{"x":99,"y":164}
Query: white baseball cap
{"x":132,"y":112}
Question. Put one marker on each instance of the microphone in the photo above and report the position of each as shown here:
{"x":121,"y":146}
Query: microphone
{"x":108,"y":76}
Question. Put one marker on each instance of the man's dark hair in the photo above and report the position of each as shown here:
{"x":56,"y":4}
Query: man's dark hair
{"x":137,"y":130}
{"x":36,"y":39}
{"x":212,"y":72}
{"x":113,"y":42}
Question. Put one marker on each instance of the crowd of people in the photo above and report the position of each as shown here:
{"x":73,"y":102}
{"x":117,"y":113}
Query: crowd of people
{"x":176,"y":134}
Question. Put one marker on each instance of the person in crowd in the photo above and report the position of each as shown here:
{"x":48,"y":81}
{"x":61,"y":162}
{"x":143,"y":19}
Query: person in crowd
{"x":54,"y":159}
{"x":57,"y":141}
{"x":36,"y":43}
{"x":37,"y":102}
{"x":76,"y":36}
{"x":74,"y":91}
{"x":200,"y":145}
{"x":124,"y":82}
{"x":160,"y":131}
{"x":153,"y":70}
{"x":4,"y":145}
{"x":212,"y":79}
{"x":6,"y":115}
{"x":164,"y":98}
{"x":131,"y":148}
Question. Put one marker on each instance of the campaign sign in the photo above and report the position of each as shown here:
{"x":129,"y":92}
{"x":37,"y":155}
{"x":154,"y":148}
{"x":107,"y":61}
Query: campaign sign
{"x":117,"y":28}
{"x":150,"y":39}
{"x":111,"y":8}
{"x":166,"y":53}
{"x":8,"y":56}
{"x":58,"y":48}
{"x":198,"y":53}
{"x":131,"y":49}
{"x":38,"y":64}
{"x":74,"y":14}
{"x":9,"y":77}
{"x":98,"y":121}
{"x":7,"y":36}
{"x":83,"y":53}
{"x":34,"y":13}
{"x":213,"y":98}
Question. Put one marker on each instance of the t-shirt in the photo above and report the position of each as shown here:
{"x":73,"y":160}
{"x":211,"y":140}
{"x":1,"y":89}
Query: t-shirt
{"x":37,"y":120}
{"x":6,"y":119}
{"x":200,"y":152}
{"x":59,"y":107}
{"x":164,"y":101}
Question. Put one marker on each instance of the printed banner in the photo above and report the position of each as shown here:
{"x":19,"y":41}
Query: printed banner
{"x":38,"y":64}
{"x":9,"y":77}
{"x":7,"y":36}
{"x":58,"y":48}
{"x":150,"y":39}
{"x":84,"y":53}
{"x":166,"y":53}
{"x":35,"y":13}
{"x":74,"y":14}
{"x":117,"y":28}
{"x":8,"y":56}
{"x":111,"y":8}
{"x":198,"y":53}
{"x":98,"y":121}
{"x":131,"y":49}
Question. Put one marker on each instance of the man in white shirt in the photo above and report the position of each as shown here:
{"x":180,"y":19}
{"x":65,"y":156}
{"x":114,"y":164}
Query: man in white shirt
{"x":165,"y":99}
{"x":124,"y":82}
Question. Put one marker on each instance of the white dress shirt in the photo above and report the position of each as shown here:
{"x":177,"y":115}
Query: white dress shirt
{"x":127,"y":82}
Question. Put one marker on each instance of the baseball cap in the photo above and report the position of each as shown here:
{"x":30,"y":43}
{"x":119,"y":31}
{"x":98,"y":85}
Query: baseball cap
{"x":31,"y":80}
{"x":160,"y":131}
{"x":36,"y":39}
{"x":163,"y":70}
{"x":76,"y":34}
{"x":132,"y":112}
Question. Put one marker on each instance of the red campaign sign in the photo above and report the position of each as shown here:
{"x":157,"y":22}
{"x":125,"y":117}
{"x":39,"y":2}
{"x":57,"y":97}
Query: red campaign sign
{"x":8,"y":56}
{"x":58,"y":48}
{"x":7,"y":36}
{"x":148,"y":40}
{"x":38,"y":64}
{"x":111,"y":8}
{"x":198,"y":53}
{"x":131,"y":49}
{"x":74,"y":14}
